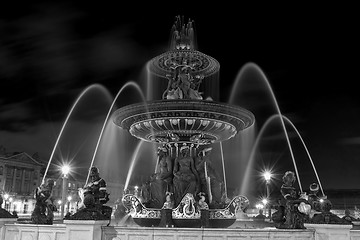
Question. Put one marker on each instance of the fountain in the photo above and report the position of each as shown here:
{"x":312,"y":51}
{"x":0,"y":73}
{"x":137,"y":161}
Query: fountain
{"x":184,"y":120}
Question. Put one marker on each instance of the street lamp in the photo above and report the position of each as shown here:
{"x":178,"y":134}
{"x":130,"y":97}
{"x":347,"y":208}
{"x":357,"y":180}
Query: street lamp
{"x":68,"y":203}
{"x":10,"y":203}
{"x":267,"y":176}
{"x":65,"y":169}
{"x":6,"y":196}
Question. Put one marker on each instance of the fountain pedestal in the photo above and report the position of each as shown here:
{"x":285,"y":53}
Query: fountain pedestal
{"x":330,"y":231}
{"x":84,"y":229}
{"x":4,"y":221}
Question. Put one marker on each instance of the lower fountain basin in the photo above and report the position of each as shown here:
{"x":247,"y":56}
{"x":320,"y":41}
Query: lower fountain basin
{"x":186,"y":214}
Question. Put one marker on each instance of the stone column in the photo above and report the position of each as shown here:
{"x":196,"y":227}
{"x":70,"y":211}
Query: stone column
{"x":14,"y":181}
{"x":22,"y":187}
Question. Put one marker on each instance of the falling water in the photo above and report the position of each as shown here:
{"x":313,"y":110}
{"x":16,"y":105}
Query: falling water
{"x":148,"y":84}
{"x":223,"y":167}
{"x":89,"y":88}
{"x":157,"y":164}
{"x":231,"y":99}
{"x":130,"y":83}
{"x":133,"y":161}
{"x":307,"y":152}
{"x":268,"y":121}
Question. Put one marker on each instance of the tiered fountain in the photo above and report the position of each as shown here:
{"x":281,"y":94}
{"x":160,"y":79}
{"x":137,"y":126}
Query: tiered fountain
{"x":185,"y":198}
{"x":184,"y":119}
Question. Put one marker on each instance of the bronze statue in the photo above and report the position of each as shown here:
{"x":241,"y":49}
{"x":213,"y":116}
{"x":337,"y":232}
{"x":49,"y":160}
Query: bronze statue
{"x":162,"y":180}
{"x":44,"y":206}
{"x":326,"y":216}
{"x":182,"y":85}
{"x":94,"y":196}
{"x":186,"y":179}
{"x":348,"y":216}
{"x":293,"y":208}
{"x":169,"y":203}
{"x":209,"y":179}
{"x":314,"y":199}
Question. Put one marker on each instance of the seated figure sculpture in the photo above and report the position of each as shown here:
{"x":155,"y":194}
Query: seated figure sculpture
{"x":348,"y":216}
{"x":293,"y":209}
{"x":44,"y":206}
{"x":186,"y":179}
{"x":314,"y":199}
{"x":96,"y":188}
{"x":260,"y":216}
{"x":161,"y":182}
{"x":94,"y":196}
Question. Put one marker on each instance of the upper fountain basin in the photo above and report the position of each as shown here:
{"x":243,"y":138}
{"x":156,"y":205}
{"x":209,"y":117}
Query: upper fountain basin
{"x":183,"y":121}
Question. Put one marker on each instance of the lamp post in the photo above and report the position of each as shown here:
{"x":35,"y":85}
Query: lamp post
{"x":10,"y":203}
{"x":65,"y":169}
{"x":267,"y":176}
{"x":6,"y":197}
{"x":69,"y":198}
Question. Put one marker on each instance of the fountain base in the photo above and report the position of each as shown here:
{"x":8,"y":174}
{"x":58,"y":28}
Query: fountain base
{"x":187,"y":214}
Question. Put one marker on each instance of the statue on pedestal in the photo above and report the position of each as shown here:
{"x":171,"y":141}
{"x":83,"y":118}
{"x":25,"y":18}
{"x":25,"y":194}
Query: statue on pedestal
{"x":326,"y":216}
{"x":94,"y":196}
{"x":293,"y":208}
{"x":44,"y":206}
{"x":348,"y":216}
{"x":166,"y":211}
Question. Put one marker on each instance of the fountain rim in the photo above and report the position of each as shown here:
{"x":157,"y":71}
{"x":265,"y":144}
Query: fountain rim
{"x":161,"y":70}
{"x":231,"y":118}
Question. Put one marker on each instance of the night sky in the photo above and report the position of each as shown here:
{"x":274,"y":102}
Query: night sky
{"x":51,"y":52}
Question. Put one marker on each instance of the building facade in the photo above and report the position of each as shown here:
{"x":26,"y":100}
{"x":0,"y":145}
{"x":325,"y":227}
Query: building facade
{"x":20,"y":175}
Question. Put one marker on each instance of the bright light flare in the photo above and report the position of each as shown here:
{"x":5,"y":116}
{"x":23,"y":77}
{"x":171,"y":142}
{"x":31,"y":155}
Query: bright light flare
{"x":267,"y":175}
{"x":65,"y":169}
{"x":6,"y":196}
{"x":259,"y":206}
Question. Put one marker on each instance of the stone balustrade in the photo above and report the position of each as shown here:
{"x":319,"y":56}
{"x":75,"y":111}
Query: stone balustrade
{"x":98,"y":230}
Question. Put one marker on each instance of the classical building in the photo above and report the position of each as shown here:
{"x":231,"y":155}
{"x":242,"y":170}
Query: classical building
{"x":20,"y":175}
